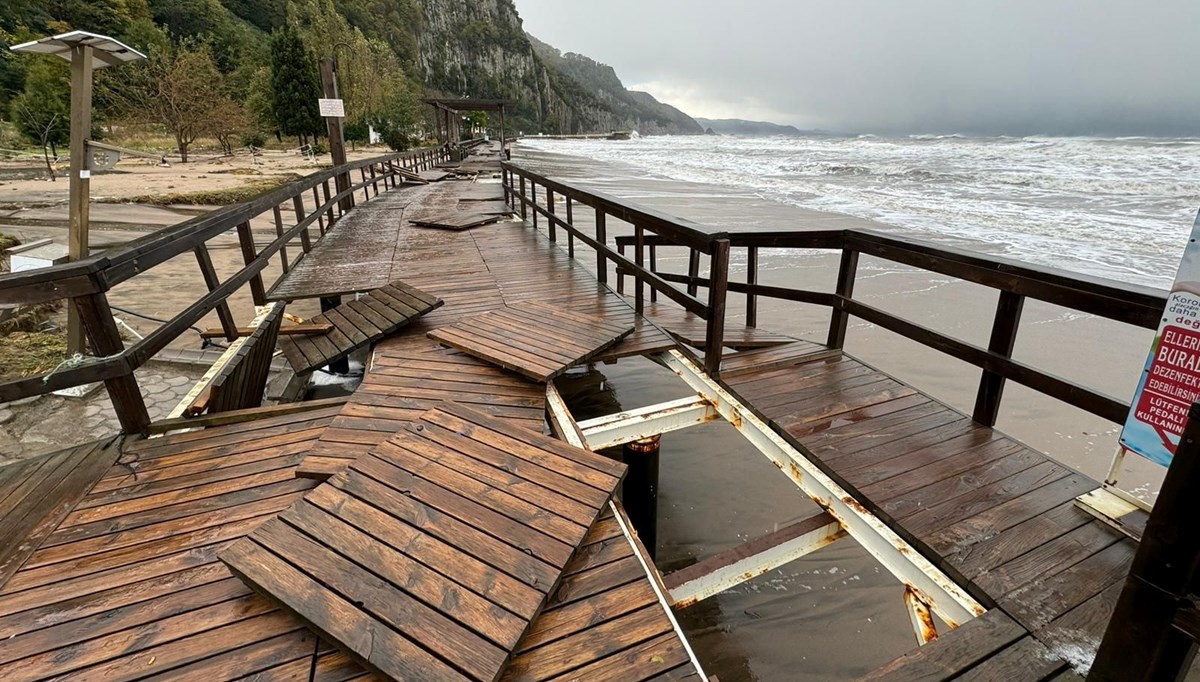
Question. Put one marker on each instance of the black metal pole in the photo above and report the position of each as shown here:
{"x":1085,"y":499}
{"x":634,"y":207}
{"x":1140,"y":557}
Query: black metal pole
{"x":639,"y":492}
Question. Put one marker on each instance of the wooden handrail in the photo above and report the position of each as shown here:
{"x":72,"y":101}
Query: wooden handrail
{"x":86,"y":281}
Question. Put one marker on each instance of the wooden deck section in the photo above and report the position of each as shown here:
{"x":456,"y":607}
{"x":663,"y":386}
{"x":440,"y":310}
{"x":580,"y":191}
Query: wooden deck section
{"x":407,"y":377}
{"x":357,"y":324}
{"x":533,"y":339}
{"x":124,"y":583}
{"x":430,"y":557}
{"x":991,"y":512}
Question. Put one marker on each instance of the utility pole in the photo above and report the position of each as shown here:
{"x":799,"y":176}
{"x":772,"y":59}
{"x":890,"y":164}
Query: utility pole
{"x":86,"y":52}
{"x":337,"y":142}
{"x":79,"y":189}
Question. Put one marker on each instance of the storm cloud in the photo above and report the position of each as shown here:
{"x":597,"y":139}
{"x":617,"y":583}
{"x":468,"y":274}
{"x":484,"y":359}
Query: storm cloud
{"x":1017,"y":67}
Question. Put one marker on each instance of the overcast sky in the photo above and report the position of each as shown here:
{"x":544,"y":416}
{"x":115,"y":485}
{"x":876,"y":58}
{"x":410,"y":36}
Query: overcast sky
{"x":1123,"y":67}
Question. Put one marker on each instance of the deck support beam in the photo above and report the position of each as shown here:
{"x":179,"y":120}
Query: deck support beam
{"x":749,"y":560}
{"x":943,"y":595}
{"x":632,"y":425}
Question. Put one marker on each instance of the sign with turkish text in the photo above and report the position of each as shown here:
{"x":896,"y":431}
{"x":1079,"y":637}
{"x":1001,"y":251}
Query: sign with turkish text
{"x":1170,"y":381}
{"x":332,"y":108}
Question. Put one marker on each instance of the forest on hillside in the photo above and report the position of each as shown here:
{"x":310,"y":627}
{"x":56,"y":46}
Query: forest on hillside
{"x":237,"y":72}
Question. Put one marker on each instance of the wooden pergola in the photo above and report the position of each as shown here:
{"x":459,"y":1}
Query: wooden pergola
{"x":448,"y":108}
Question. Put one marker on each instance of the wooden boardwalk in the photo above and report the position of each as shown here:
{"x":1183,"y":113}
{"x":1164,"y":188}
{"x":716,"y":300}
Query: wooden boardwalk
{"x":996,"y":515}
{"x":116,"y":574}
{"x":430,"y":557}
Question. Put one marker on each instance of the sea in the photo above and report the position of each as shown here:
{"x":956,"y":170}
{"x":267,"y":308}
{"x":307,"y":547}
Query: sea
{"x":1119,"y":208}
{"x":1104,"y":207}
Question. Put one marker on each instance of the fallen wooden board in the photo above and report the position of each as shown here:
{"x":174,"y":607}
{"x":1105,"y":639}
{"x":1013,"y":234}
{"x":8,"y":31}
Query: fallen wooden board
{"x":434,"y":175}
{"x":430,"y":557}
{"x":536,"y":340}
{"x":457,"y":220}
{"x":488,"y":208}
{"x":300,"y":329}
{"x":357,"y":323}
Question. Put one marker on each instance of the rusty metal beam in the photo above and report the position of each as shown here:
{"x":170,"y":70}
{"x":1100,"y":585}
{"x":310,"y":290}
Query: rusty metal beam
{"x":631,"y":425}
{"x":922,"y":618}
{"x":950,"y":601}
{"x":747,"y":561}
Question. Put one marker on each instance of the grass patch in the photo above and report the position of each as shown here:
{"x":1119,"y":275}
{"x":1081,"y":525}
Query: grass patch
{"x":212,"y":197}
{"x":24,"y":354}
{"x":7,"y":241}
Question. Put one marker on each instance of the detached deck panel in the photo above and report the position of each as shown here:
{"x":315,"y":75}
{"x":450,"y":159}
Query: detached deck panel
{"x":536,"y":340}
{"x":430,"y":557}
{"x":357,"y":323}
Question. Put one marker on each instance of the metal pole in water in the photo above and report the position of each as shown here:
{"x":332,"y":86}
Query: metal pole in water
{"x":639,"y":493}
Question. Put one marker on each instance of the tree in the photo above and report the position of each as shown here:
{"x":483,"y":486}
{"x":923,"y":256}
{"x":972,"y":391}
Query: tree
{"x":294,"y":86}
{"x":226,"y":121}
{"x":179,"y":88}
{"x":42,"y":109}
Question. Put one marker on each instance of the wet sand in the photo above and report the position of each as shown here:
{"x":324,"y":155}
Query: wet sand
{"x":835,"y":614}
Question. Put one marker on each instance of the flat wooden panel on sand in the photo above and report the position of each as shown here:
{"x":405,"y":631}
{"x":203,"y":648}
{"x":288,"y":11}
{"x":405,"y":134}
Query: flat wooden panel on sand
{"x":537,"y":340}
{"x":430,"y":557}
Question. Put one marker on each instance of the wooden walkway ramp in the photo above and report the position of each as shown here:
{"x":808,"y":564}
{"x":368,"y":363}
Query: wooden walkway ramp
{"x":991,"y":512}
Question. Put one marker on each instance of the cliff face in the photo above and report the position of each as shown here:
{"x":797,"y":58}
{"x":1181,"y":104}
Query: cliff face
{"x":479,"y":49}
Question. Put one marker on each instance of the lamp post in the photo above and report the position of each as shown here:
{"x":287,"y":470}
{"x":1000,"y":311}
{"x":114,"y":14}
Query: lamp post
{"x":86,"y":52}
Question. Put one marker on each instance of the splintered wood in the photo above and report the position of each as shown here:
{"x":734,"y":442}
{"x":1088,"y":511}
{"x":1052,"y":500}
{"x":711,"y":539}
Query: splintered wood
{"x":356,"y":324}
{"x":430,"y":557}
{"x":536,"y":340}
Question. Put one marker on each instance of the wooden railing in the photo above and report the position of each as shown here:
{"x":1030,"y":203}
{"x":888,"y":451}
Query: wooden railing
{"x":521,"y":190}
{"x":1015,"y":281}
{"x":87,"y":281}
{"x":1155,"y":626}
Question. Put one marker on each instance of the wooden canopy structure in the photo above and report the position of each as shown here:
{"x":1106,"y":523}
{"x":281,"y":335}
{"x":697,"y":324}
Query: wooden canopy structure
{"x":448,"y":122}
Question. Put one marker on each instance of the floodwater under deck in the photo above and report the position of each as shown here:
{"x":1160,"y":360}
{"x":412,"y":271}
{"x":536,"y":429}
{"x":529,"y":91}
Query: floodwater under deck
{"x":114,"y":572}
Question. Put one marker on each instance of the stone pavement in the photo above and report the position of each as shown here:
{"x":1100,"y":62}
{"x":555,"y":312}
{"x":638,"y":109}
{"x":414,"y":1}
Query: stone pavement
{"x":47,"y":423}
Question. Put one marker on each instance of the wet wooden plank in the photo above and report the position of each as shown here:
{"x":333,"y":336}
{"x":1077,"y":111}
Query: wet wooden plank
{"x":533,"y":339}
{"x":503,"y":520}
{"x":357,"y":323}
{"x":953,"y":651}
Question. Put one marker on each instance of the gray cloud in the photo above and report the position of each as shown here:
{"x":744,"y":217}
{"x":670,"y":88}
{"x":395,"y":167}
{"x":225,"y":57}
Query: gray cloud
{"x":1118,"y":67}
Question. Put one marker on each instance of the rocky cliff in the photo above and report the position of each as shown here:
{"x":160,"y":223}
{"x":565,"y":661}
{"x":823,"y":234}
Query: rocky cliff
{"x":479,"y":49}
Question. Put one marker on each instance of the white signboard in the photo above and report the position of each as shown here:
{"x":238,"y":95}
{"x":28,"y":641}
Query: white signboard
{"x":332,"y":108}
{"x":1171,"y":378}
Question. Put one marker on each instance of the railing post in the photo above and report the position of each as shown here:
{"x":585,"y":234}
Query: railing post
{"x":553,"y":229}
{"x":751,"y":280}
{"x":1143,"y":640}
{"x":654,"y":269}
{"x":1004,"y":337}
{"x":329,"y":217}
{"x":209,"y":274}
{"x":106,"y":342}
{"x":602,"y":237}
{"x":718,"y":281}
{"x":533,"y":202}
{"x":316,"y":206}
{"x":693,"y":271}
{"x":524,"y":208}
{"x":620,"y":273}
{"x":249,"y":253}
{"x":639,"y":254}
{"x":845,"y":288}
{"x":298,"y":207}
{"x":570,"y":234}
{"x":283,"y":259}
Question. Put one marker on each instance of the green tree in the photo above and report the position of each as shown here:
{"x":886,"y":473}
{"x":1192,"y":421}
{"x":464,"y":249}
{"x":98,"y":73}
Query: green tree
{"x":180,"y":88}
{"x":42,"y":110}
{"x":295,"y":88}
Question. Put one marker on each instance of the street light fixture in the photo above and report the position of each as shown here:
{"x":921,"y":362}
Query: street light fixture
{"x":86,"y":52}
